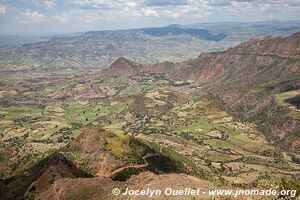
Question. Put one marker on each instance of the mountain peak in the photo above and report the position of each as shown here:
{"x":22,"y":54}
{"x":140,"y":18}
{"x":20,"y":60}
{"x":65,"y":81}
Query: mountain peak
{"x":121,"y":67}
{"x":122,"y":60}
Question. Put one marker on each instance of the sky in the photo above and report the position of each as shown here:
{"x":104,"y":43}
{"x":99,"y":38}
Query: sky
{"x":35,"y":17}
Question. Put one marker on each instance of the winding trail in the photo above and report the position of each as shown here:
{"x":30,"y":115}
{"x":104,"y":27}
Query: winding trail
{"x":112,"y":174}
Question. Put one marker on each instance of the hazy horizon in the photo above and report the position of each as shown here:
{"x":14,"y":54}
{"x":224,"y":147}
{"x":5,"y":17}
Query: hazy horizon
{"x":33,"y":17}
{"x":45,"y":34}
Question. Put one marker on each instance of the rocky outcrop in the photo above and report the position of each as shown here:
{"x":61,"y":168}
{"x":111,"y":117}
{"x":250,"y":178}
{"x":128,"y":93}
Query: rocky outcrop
{"x":40,"y":178}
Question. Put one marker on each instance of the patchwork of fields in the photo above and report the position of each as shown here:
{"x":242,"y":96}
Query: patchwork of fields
{"x":193,"y":131}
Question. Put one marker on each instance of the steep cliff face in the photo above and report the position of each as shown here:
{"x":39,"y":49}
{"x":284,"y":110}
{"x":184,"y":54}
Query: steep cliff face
{"x":246,"y":79}
{"x":278,"y":46}
{"x":257,"y":61}
{"x":255,"y":73}
{"x":253,"y":62}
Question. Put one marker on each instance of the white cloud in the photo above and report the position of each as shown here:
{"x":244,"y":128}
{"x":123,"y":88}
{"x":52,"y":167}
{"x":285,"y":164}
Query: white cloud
{"x":101,"y":4}
{"x":50,"y":4}
{"x":265,"y":7}
{"x":85,"y":16}
{"x":32,"y":17}
{"x":114,"y":14}
{"x":175,"y":12}
{"x":167,"y":9}
{"x":2,"y":9}
{"x":106,"y":10}
{"x":149,"y":12}
{"x":242,"y":6}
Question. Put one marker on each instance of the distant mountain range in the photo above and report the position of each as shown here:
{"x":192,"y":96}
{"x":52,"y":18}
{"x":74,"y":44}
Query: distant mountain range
{"x":95,"y":50}
{"x":177,"y":30}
